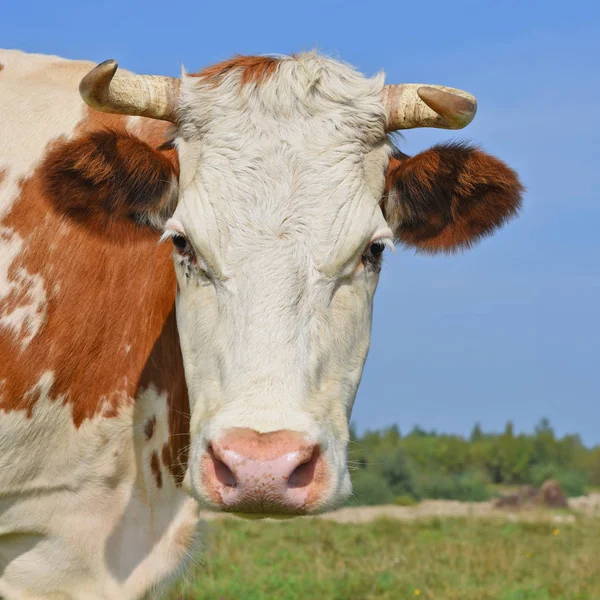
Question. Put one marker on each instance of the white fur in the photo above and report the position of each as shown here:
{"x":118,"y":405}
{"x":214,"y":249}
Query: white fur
{"x":25,"y":320}
{"x":280,"y":188}
{"x":87,"y":523}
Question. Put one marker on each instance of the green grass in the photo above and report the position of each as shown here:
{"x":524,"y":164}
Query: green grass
{"x":447,"y":559}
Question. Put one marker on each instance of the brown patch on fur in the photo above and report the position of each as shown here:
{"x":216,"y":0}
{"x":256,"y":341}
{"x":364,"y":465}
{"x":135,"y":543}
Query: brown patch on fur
{"x":167,"y":455}
{"x":95,"y":120}
{"x":94,"y":307}
{"x":149,"y":427}
{"x":155,"y":468}
{"x":107,"y":179}
{"x":103,"y":291}
{"x":160,"y":135}
{"x":1,"y":66}
{"x":255,"y":69}
{"x":449,"y":197}
{"x":164,"y":370}
{"x":156,"y":134}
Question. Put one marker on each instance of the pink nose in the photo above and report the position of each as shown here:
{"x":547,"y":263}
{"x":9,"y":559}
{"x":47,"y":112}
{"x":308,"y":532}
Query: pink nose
{"x":270,"y":473}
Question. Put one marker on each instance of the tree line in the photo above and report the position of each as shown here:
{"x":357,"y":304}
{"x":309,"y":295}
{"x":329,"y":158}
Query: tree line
{"x":388,"y":467}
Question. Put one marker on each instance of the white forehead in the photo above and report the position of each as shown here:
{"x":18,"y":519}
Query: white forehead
{"x":300,"y":152}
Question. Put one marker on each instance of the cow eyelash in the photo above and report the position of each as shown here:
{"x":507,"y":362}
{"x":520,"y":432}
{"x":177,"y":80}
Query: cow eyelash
{"x":180,"y":242}
{"x":373,"y":255}
{"x":192,"y":262}
{"x":183,"y":249}
{"x":182,"y":245}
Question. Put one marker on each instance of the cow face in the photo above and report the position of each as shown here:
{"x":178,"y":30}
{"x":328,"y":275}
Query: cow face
{"x":278,"y":237}
{"x":289,"y":193}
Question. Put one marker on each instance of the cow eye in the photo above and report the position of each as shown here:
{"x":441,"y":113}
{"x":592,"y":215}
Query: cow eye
{"x":181,"y":244}
{"x":377,"y":248}
{"x":373,"y":255}
{"x":374,"y":251}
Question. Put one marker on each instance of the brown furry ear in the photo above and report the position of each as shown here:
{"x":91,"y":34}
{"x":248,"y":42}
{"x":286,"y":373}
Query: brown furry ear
{"x":107,"y":180}
{"x":449,"y":197}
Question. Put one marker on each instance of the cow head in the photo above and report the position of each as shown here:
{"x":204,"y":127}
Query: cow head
{"x":289,"y":192}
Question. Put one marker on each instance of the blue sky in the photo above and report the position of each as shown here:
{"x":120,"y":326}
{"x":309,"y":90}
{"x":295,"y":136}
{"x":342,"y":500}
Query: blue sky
{"x":509,"y":330}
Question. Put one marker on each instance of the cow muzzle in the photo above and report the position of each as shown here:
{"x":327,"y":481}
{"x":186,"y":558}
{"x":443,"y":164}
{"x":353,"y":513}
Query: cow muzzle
{"x":275,"y":473}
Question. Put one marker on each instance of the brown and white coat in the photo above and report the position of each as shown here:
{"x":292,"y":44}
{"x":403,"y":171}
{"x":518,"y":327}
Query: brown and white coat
{"x":127,"y":381}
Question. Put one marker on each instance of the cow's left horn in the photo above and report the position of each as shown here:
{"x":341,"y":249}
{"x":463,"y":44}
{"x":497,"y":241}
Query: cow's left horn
{"x":125,"y":94}
{"x":412,"y":105}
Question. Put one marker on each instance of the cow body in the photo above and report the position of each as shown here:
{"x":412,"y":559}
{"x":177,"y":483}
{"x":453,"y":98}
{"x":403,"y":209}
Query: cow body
{"x":140,"y":380}
{"x":93,"y":403}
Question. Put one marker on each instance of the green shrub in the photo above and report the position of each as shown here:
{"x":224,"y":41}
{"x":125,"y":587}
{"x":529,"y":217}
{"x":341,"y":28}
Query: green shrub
{"x":468,"y":487}
{"x":400,"y":474}
{"x":572,"y":482}
{"x":370,"y":488}
{"x":404,"y":501}
{"x":427,"y":464}
{"x":591,"y":465}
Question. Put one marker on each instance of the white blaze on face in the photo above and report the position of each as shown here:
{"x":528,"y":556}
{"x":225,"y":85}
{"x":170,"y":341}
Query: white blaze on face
{"x":280,"y":189}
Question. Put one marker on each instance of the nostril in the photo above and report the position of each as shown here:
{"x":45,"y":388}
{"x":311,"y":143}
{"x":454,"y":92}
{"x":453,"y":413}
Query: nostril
{"x":304,"y":474}
{"x":222,"y":472}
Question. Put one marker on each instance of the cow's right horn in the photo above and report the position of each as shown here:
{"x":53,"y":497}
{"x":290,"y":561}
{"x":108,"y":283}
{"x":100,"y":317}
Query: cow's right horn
{"x":150,"y":96}
{"x":411,"y":105}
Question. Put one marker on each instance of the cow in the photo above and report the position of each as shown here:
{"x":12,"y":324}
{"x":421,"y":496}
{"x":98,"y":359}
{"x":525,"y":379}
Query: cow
{"x":187,"y":271}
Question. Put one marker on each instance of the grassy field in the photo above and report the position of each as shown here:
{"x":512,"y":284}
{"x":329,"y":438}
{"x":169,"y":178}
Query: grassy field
{"x":445,"y":559}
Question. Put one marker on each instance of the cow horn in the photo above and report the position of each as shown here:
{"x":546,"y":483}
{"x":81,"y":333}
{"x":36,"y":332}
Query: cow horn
{"x":412,"y":105}
{"x":127,"y":94}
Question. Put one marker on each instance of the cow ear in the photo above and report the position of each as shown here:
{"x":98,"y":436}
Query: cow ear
{"x":107,"y":180}
{"x":448,"y":197}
